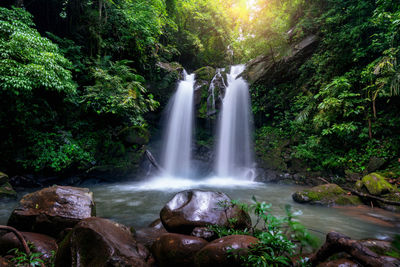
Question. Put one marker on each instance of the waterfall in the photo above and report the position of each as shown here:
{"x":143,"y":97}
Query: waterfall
{"x":211,"y":91}
{"x":234,"y":153}
{"x":176,"y":155}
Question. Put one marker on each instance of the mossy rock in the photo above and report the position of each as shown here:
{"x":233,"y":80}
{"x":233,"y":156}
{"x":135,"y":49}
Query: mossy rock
{"x":376,"y":184}
{"x":205,"y":73}
{"x":3,"y":178}
{"x":135,"y":135}
{"x":6,"y":191}
{"x":359,"y":185}
{"x":327,"y":194}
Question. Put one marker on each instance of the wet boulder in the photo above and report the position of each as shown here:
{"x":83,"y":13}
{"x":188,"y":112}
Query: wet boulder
{"x":339,"y":263}
{"x":147,"y":236}
{"x":100,"y":242}
{"x":327,"y":194}
{"x":205,"y":233}
{"x":52,"y":209}
{"x":176,"y":249}
{"x":221,"y":252}
{"x":42,"y":243}
{"x":198,"y":208}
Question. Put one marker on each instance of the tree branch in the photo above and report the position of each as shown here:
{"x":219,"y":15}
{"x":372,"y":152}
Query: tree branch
{"x":389,"y":202}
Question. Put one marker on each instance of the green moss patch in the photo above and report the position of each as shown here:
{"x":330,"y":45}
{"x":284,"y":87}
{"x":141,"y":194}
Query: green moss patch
{"x":6,"y":191}
{"x":327,"y":194}
{"x":3,"y":178}
{"x":205,"y":73}
{"x":376,"y":184}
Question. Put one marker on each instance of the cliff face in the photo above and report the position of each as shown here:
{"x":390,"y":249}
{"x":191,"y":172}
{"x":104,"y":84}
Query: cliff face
{"x":268,"y":71}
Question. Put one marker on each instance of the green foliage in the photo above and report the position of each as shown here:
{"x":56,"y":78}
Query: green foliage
{"x":395,"y":252}
{"x":21,"y":259}
{"x":48,"y":124}
{"x":59,"y":151}
{"x":118,"y":90}
{"x":341,"y":110}
{"x":278,"y":237}
{"x":27,"y":60}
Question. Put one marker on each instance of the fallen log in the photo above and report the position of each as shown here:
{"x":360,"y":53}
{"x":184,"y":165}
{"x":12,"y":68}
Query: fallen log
{"x":368,"y":196}
{"x":337,"y":242}
{"x":153,"y":161}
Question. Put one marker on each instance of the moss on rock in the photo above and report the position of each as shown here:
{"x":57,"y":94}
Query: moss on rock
{"x":135,"y":135}
{"x":376,"y":184}
{"x":327,"y":194}
{"x":205,"y":73}
{"x":6,"y":191}
{"x":3,"y":178}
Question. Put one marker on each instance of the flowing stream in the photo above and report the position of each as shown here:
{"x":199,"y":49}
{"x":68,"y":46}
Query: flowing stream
{"x":139,"y":203}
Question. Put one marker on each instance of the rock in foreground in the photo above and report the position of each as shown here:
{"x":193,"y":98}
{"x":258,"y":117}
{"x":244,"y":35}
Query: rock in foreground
{"x":42,"y":243}
{"x":220,"y":252}
{"x":197,"y":208}
{"x":100,"y":242}
{"x":176,"y":249}
{"x":52,"y":209}
{"x":327,"y":194}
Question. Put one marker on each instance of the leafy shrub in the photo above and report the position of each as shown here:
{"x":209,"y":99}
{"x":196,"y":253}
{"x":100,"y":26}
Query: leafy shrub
{"x":279,"y":238}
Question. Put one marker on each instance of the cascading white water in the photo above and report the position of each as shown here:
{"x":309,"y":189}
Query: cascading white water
{"x":234,"y":152}
{"x":211,"y":92}
{"x":176,"y":155}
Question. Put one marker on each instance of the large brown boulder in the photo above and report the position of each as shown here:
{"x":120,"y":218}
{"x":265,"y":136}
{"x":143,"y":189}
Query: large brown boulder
{"x":197,"y":208}
{"x":147,"y":236}
{"x":52,"y":209}
{"x":176,"y":249}
{"x":100,"y":242}
{"x":42,"y":243}
{"x":221,"y":252}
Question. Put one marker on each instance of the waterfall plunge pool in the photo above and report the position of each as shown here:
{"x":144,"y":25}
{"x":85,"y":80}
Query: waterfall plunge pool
{"x":138,"y":203}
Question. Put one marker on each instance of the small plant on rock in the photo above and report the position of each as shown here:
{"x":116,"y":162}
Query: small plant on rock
{"x":279,"y":238}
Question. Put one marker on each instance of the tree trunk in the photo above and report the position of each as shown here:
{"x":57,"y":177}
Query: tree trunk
{"x":371,"y":197}
{"x":153,"y":161}
{"x":373,"y":107}
{"x":369,"y":128}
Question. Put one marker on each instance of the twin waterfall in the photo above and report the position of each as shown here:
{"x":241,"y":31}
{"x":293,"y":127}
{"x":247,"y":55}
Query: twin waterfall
{"x":234,"y":157}
{"x":233,"y":148}
{"x":177,"y":148}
